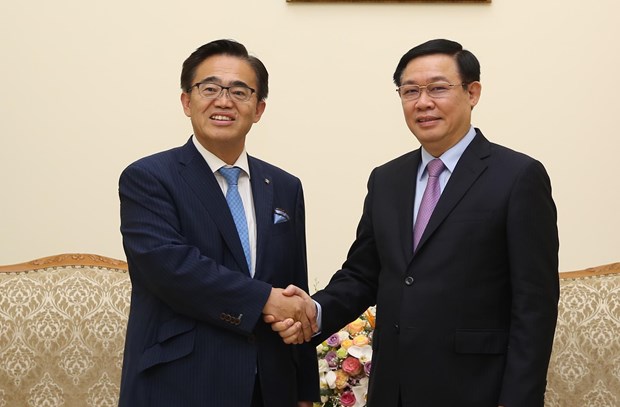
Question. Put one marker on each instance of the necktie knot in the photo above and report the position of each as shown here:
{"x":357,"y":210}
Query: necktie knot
{"x":435,"y":167}
{"x":230,"y":174}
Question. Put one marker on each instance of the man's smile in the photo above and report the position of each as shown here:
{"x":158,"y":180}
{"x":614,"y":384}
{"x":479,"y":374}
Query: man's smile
{"x":426,"y":119}
{"x":223,"y":118}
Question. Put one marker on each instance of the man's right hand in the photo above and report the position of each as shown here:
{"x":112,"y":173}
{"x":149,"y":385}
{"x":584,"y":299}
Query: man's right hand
{"x":292,"y":314}
{"x":292,"y":330}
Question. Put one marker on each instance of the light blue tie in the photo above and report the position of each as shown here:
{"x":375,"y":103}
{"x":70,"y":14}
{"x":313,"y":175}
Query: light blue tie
{"x":231,"y":175}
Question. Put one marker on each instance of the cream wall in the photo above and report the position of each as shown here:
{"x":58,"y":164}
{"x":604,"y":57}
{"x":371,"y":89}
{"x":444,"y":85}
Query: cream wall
{"x":88,"y":87}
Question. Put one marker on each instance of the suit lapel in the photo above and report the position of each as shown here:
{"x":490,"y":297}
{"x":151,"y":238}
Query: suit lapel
{"x":470,"y":166}
{"x":262,"y":194}
{"x":196,"y":172}
{"x":405,"y":199}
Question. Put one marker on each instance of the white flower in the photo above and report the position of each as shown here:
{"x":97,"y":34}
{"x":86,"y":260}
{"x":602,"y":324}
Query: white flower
{"x":323,"y":366}
{"x":323,"y":382}
{"x":330,"y":379}
{"x":343,"y":335}
{"x":360,"y":392}
{"x":363,"y":353}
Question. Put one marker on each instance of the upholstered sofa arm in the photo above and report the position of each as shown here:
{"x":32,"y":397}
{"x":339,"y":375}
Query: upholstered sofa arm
{"x":62,"y":330}
{"x":585,"y":364}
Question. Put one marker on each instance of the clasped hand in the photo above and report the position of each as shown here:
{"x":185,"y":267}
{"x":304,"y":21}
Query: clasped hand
{"x":292,"y":313}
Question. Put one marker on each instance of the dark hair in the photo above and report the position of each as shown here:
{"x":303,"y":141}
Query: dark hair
{"x":224,"y":47}
{"x":467,"y":63}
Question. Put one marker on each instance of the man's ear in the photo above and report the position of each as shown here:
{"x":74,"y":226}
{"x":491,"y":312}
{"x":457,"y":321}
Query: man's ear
{"x":260,"y":109}
{"x":185,"y":101}
{"x":474,"y":90}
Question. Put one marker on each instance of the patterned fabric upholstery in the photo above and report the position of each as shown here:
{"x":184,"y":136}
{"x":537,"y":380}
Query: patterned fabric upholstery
{"x":62,"y":331}
{"x":63,"y":320}
{"x":585,"y":364}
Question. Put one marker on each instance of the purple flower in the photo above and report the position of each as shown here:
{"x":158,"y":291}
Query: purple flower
{"x":367,"y":368}
{"x":331,"y":358}
{"x":333,"y":340}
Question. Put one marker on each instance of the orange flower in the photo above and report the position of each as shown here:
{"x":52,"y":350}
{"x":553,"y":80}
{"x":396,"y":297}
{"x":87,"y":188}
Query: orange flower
{"x":356,"y":326}
{"x":370,"y":317}
{"x":346,"y":344}
{"x":361,"y":340}
{"x":341,"y":379}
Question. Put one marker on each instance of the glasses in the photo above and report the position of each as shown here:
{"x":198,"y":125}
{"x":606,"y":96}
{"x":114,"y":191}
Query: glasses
{"x":209,"y":90}
{"x":436,"y":90}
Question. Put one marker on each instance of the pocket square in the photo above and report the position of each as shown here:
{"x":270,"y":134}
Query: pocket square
{"x":280,"y":216}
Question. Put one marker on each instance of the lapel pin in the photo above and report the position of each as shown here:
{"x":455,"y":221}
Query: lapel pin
{"x":267,"y":181}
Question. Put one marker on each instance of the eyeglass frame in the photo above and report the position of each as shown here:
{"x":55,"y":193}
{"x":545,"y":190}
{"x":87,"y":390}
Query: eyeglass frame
{"x":224,"y":88}
{"x":424,"y":87}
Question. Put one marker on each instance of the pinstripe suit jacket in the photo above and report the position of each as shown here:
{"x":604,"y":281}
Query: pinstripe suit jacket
{"x":468,"y":319}
{"x":195,"y":336}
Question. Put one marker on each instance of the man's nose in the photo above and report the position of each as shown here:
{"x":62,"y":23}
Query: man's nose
{"x":424,"y":99}
{"x":223,"y":98}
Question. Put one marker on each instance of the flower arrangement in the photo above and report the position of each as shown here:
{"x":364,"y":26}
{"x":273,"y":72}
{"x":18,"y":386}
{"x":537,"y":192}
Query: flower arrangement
{"x":345,"y":363}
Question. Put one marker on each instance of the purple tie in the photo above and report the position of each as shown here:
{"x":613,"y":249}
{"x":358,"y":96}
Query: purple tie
{"x":429,"y":199}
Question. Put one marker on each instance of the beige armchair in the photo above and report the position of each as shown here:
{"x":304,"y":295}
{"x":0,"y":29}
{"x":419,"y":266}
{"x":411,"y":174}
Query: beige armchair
{"x":62,"y":330}
{"x":584,"y":370}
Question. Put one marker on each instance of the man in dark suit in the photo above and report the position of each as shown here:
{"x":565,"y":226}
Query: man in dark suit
{"x":467,"y":305}
{"x":204,"y":272}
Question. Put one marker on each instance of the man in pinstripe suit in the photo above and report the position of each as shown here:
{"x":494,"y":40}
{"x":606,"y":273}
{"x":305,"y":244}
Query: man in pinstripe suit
{"x":195,"y":336}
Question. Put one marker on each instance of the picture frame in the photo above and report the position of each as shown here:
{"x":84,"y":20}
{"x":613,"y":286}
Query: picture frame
{"x":388,"y":1}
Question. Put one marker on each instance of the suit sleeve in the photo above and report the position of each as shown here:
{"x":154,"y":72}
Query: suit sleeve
{"x":533,"y":261}
{"x":353,"y":288}
{"x":163,"y":260}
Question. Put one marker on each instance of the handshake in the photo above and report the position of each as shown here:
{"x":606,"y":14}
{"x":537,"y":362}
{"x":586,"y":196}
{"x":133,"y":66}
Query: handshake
{"x":292,"y":313}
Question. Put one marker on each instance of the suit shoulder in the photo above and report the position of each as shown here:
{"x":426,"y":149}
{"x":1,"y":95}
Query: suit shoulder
{"x":158,"y":159}
{"x":507,"y":163}
{"x":398,"y":163}
{"x":508,"y":157}
{"x":504,"y":151}
{"x":156,"y":164}
{"x":270,"y":170}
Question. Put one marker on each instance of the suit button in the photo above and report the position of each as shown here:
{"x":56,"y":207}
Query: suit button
{"x":409,"y":280}
{"x":397,"y":328}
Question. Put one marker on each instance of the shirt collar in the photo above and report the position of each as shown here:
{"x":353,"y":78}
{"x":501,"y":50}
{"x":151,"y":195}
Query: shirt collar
{"x":215,"y":163}
{"x":451,"y":157}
